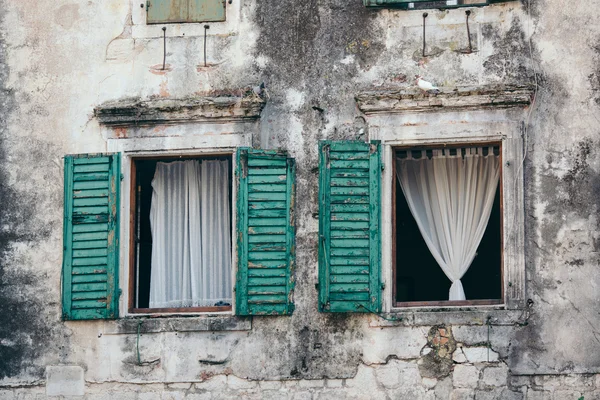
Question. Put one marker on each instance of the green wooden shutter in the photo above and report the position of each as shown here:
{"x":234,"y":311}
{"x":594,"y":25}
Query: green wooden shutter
{"x":265,"y":232}
{"x":349,"y":229}
{"x":172,"y":11}
{"x":91,"y":230}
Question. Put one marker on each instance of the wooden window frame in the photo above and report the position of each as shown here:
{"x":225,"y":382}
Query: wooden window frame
{"x":131,"y":309}
{"x":445,"y":303}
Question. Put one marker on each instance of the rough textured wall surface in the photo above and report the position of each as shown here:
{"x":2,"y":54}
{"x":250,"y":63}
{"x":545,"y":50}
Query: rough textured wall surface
{"x":60,"y":59}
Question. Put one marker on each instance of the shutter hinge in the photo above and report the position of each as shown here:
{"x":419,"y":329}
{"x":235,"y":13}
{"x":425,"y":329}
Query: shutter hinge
{"x":147,"y":4}
{"x":120,"y":292}
{"x":234,"y":289}
{"x":122,"y":176}
{"x":382,"y":166}
{"x":382,"y":285}
{"x":316,"y":286}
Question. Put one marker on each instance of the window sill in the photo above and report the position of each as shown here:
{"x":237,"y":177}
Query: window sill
{"x":472,"y":315}
{"x":153,"y":323}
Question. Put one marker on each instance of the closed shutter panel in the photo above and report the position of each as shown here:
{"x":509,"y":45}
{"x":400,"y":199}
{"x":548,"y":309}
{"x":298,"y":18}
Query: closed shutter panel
{"x":91,"y":245}
{"x":349,"y":231}
{"x":171,"y":11}
{"x":266,"y":232}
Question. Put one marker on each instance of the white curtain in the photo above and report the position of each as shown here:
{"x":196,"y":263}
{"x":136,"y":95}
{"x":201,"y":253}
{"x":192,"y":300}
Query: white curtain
{"x":451,"y":198}
{"x":191,"y":241}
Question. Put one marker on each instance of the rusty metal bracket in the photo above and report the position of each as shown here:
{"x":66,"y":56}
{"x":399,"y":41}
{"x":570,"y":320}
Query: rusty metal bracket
{"x":424,"y":43}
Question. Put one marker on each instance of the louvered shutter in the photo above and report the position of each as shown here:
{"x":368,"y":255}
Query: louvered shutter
{"x":91,"y":244}
{"x":265,"y":232}
{"x":349,"y":229}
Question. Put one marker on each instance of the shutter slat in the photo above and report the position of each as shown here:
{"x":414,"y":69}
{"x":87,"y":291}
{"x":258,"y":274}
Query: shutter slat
{"x":90,"y":265}
{"x":264,"y":282}
{"x":349,"y":250}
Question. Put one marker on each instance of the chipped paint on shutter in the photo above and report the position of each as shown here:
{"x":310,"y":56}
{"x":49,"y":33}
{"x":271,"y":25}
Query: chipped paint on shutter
{"x":91,"y":243}
{"x":206,"y":10}
{"x":349,"y":234}
{"x":266,"y":232}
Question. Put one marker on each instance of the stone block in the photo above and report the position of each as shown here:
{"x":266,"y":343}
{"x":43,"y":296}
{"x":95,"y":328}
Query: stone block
{"x":236,"y":383}
{"x":462,"y":394}
{"x":480,"y":354}
{"x":270,"y":385}
{"x":493,"y":394}
{"x":215,"y":383}
{"x":303,"y":395}
{"x":566,"y":395}
{"x":458,"y":356}
{"x":7,"y":394}
{"x":172,"y":396}
{"x":64,"y":380}
{"x":580,"y":381}
{"x":311,"y":383}
{"x":149,"y":396}
{"x":495,"y":376}
{"x":429,"y":383}
{"x":465,"y":376}
{"x":538,"y":395}
{"x":198,"y":396}
{"x":334,"y":383}
{"x":508,"y":394}
{"x":364,"y":379}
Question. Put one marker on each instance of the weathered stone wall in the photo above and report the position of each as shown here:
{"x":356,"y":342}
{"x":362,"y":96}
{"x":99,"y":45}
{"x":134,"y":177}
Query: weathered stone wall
{"x":61,"y":59}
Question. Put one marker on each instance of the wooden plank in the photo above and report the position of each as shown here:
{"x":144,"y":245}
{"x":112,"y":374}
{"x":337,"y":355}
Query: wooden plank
{"x":266,"y":230}
{"x":267,"y":162}
{"x":324,"y":224}
{"x":67,"y":287}
{"x":350,"y":191}
{"x":101,"y":227}
{"x":90,"y":244}
{"x":91,"y":168}
{"x":89,"y":295}
{"x":88,"y":304}
{"x":94,"y":201}
{"x":268,"y":309}
{"x":254,"y":222}
{"x":266,"y":171}
{"x":266,"y":281}
{"x":82,"y":194}
{"x":347,"y":306}
{"x":350,"y":243}
{"x":349,"y":173}
{"x":90,"y":160}
{"x":96,"y":269}
{"x":90,"y":253}
{"x":89,"y":287}
{"x":267,"y":298}
{"x":343,"y":252}
{"x":266,"y":239}
{"x":267,"y":205}
{"x":374,"y":227}
{"x":90,"y":210}
{"x":354,"y":278}
{"x":266,"y":213}
{"x":352,"y":208}
{"x":267,"y":196}
{"x":349,"y":216}
{"x":90,"y":185}
{"x":268,"y":264}
{"x":266,"y":290}
{"x":349,"y":287}
{"x":86,"y":261}
{"x":349,"y":200}
{"x":349,"y":296}
{"x":162,"y":11}
{"x":364,"y":261}
{"x":350,"y":182}
{"x":267,"y":272}
{"x":268,"y":179}
{"x":266,"y":247}
{"x":272,"y":187}
{"x":350,"y":164}
{"x":266,"y":255}
{"x":350,"y":269}
{"x":291,"y":233}
{"x":92,"y":176}
{"x":356,"y":234}
{"x":349,"y":145}
{"x":93,"y":313}
{"x":89,"y":218}
{"x":90,"y":278}
{"x":86,"y":236}
{"x":241,"y":285}
{"x":350,"y":225}
{"x":353,"y":155}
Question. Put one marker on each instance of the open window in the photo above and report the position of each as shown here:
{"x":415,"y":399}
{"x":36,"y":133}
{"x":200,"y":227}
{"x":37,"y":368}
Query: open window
{"x":447,"y":230}
{"x":180,"y":249}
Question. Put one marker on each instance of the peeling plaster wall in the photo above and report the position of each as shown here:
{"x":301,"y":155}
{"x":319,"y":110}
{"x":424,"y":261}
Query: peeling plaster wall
{"x":60,"y":59}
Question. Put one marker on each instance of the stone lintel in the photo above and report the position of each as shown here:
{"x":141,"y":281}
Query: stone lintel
{"x":412,"y":100}
{"x":218,"y":109}
{"x":205,"y":323}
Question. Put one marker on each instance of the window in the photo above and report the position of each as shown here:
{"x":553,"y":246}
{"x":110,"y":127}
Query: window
{"x":447,"y":225}
{"x":428,"y":4}
{"x":181,"y":244}
{"x":172,"y":11}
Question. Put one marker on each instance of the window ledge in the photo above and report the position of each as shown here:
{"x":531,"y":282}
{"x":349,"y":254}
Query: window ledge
{"x":457,"y":316}
{"x":135,"y":112}
{"x":158,"y":324}
{"x":458,"y":98}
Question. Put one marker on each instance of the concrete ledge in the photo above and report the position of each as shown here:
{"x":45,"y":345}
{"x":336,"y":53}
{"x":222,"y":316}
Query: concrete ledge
{"x":450,"y":317}
{"x":127,"y":326}
{"x":461,"y":98}
{"x":135,"y":112}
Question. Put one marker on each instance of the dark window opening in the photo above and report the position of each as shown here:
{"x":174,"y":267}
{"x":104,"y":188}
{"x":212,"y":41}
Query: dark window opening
{"x":419,"y":278}
{"x":141,"y":251}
